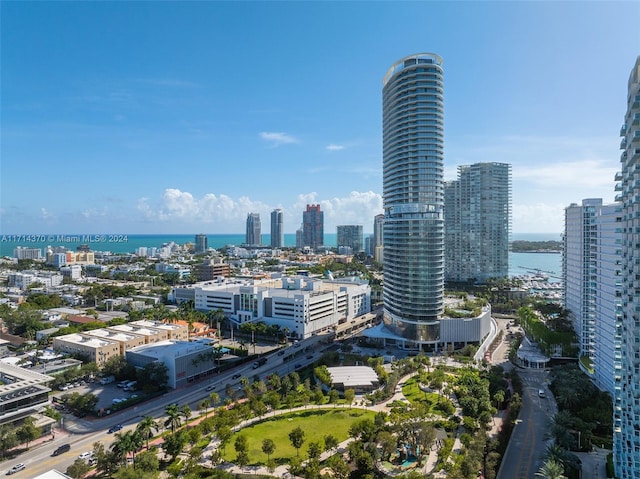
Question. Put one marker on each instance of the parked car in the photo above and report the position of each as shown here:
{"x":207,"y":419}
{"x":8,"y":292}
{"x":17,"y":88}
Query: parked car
{"x":17,"y":468}
{"x":115,"y":428}
{"x":61,"y":449}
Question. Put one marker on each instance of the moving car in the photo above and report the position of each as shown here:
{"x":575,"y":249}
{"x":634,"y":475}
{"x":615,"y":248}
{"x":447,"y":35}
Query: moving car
{"x":236,"y":376}
{"x":86,"y":455}
{"x":61,"y":449}
{"x":210,"y":387}
{"x":115,"y":428}
{"x":541,"y":393}
{"x":17,"y":468}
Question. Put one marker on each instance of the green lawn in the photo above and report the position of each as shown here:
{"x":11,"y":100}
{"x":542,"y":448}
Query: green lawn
{"x":315,"y":423}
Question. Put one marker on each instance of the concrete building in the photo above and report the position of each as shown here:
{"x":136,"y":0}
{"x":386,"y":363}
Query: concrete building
{"x":254,"y":230}
{"x":212,"y":269}
{"x":124,"y":339}
{"x":22,"y":280}
{"x":413,"y":156}
{"x":350,"y":236}
{"x":93,"y":348}
{"x":73,"y":271}
{"x":592,"y":273}
{"x":22,"y":252}
{"x":300,"y":238}
{"x":201,"y":243}
{"x":378,"y":238}
{"x":185,"y":361}
{"x":302,"y":305}
{"x":277,"y":228}
{"x":313,"y":227}
{"x":626,"y":434}
{"x":608,"y":295}
{"x":150,"y":335}
{"x":578,"y":270}
{"x":362,"y":379}
{"x":22,"y":394}
{"x":101,"y":344}
{"x":175,"y":332}
{"x":477,"y":219}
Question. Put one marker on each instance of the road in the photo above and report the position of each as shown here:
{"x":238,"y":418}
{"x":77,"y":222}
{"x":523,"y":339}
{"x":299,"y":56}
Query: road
{"x":530,"y":437}
{"x":82,"y":433}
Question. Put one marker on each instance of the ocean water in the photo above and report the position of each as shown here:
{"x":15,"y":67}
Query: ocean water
{"x":519,"y":263}
{"x":130,"y":243}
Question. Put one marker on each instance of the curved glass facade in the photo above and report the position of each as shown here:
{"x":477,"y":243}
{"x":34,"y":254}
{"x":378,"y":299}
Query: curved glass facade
{"x":413,"y":190}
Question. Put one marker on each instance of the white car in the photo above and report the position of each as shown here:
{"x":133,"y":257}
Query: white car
{"x":16,"y":468}
{"x":86,"y":455}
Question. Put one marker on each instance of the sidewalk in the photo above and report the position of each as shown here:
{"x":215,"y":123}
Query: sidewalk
{"x":58,"y":436}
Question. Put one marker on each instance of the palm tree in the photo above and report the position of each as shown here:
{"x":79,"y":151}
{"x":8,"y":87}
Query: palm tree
{"x":204,"y":406}
{"x":125,"y":443}
{"x":551,"y":470}
{"x":214,"y":399}
{"x":146,"y":427}
{"x":173,"y":417}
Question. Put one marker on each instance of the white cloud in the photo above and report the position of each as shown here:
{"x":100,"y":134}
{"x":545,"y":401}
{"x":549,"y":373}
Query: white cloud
{"x":223,"y":214}
{"x":46,"y":215}
{"x":588,"y":173}
{"x":333,"y":147}
{"x":277,"y":139}
{"x":538,"y":217}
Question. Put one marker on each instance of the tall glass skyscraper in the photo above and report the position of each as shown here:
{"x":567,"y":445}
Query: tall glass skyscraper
{"x":626,"y":408}
{"x":313,"y":226}
{"x":350,"y":236}
{"x":477,"y":219}
{"x":413,"y":190}
{"x":254,"y":230}
{"x":201,"y":243}
{"x":277,"y":228}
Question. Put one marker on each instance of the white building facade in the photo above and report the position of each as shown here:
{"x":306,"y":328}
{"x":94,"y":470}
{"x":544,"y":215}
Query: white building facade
{"x":608,"y":294}
{"x":626,"y":420}
{"x":302,"y":305}
{"x":579,"y":270}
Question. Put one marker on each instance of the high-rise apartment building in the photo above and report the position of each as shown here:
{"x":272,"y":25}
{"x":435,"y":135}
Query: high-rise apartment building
{"x":377,"y":243}
{"x":579,"y":270}
{"x":477,"y":220}
{"x":202,"y":243}
{"x":626,"y":421}
{"x":350,"y":236}
{"x":254,"y":230}
{"x":608,"y":289}
{"x":378,"y":230}
{"x":300,"y":237}
{"x":277,"y":228}
{"x":413,"y":162}
{"x":313,"y":226}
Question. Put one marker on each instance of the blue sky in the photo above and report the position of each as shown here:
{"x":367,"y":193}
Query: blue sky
{"x":182,"y":117}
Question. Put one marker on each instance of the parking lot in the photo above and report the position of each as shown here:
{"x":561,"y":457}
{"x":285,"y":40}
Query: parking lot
{"x":106,"y":394}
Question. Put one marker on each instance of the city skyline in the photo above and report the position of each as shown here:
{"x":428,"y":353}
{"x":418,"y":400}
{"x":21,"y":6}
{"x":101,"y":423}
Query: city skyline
{"x":145,"y":130}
